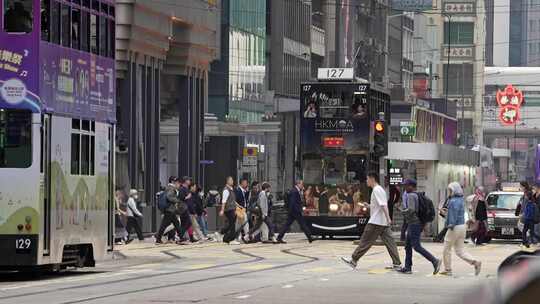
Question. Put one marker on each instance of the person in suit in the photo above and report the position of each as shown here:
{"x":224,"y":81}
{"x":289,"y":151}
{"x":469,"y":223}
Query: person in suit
{"x":242,"y":199}
{"x":295,"y":212}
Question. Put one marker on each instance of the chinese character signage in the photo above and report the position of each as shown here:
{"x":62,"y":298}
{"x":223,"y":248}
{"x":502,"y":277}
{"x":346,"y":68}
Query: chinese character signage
{"x":395,"y":177}
{"x":509,"y":100}
{"x":412,"y":5}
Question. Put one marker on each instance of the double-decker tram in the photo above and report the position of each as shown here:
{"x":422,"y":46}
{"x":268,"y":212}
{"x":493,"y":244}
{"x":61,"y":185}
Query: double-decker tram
{"x":57,"y":118}
{"x":343,"y":127}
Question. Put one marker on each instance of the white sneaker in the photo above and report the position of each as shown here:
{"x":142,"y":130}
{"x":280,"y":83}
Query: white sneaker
{"x":218,"y":237}
{"x":234,"y":242}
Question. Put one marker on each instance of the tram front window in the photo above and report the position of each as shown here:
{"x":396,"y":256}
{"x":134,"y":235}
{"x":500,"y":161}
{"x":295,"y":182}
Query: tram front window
{"x":15,"y":138}
{"x":18,"y":16}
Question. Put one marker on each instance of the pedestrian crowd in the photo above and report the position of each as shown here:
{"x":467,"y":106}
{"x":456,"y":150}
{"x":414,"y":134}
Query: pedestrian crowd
{"x":418,"y":211}
{"x":246,"y":210}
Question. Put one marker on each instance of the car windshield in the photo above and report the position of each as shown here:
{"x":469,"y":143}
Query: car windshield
{"x":15,"y":139}
{"x":503,"y":201}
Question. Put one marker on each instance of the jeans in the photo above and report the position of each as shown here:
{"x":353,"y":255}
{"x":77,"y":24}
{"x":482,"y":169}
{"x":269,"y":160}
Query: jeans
{"x":413,"y":242}
{"x":290,"y":220}
{"x":203,"y":224}
{"x":403,"y":231}
{"x":455,"y":238}
{"x":528,"y":226}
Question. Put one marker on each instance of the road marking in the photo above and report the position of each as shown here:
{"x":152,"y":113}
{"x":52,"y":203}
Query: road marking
{"x":258,"y":267}
{"x":324,"y":279}
{"x":378,"y":271}
{"x":200,"y":266}
{"x":319,"y":269}
{"x":287,"y":286}
{"x":243,"y":297}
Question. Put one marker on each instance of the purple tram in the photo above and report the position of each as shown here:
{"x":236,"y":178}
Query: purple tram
{"x":57,"y":124}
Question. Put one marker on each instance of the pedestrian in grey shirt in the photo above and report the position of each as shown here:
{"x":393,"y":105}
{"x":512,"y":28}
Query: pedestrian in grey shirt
{"x":264,"y":225}
{"x":414,"y":230}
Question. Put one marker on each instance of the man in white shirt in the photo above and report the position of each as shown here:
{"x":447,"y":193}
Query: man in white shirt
{"x":132,"y":214}
{"x":378,"y":225}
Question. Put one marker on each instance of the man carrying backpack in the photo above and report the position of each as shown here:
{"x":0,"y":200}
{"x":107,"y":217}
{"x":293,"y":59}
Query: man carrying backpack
{"x":168,"y":205}
{"x":417,"y":213}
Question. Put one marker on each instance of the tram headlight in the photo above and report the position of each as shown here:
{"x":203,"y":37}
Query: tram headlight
{"x":20,"y":227}
{"x":28,"y":227}
{"x":334,"y":207}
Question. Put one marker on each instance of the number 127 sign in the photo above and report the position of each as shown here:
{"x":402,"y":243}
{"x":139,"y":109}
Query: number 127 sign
{"x":335,"y":74}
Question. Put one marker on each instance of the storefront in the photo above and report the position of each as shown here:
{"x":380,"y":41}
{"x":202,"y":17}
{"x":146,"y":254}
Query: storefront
{"x":434,"y":166}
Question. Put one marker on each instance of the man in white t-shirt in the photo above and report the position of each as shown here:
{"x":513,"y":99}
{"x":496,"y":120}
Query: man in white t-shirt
{"x":378,"y":226}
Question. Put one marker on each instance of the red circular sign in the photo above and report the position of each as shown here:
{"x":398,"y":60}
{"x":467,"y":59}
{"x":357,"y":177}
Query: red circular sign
{"x":509,"y":100}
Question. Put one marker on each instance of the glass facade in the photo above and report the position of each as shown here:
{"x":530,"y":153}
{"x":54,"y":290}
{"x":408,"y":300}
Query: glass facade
{"x":247,"y":63}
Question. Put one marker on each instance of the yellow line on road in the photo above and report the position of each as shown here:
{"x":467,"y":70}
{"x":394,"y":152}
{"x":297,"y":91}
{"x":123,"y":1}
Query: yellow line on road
{"x":258,"y":266}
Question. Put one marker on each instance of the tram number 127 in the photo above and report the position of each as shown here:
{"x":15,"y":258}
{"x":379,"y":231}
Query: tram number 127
{"x":23,"y":245}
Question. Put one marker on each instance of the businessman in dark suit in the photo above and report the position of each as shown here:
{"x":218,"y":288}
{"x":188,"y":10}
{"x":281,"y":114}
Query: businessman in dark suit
{"x":295,"y":212}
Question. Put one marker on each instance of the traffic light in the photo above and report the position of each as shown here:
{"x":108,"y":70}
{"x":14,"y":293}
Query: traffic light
{"x":380,"y":138}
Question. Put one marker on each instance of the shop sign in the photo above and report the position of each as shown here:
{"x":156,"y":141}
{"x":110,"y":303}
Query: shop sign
{"x":510,"y":101}
{"x":407,"y":128}
{"x":395,"y":177}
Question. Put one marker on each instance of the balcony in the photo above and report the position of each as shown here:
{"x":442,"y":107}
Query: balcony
{"x":317,"y":41}
{"x":459,"y":7}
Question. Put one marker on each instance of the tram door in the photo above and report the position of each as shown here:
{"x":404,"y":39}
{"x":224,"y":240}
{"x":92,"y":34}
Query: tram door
{"x":46,"y":171}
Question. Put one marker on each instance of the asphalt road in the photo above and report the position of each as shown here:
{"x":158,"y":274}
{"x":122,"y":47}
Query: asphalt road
{"x":297,"y":272}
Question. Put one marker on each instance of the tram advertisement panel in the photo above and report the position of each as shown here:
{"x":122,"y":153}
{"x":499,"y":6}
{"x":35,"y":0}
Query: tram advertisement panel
{"x":77,"y":83}
{"x":334,"y":116}
{"x":19,"y":59}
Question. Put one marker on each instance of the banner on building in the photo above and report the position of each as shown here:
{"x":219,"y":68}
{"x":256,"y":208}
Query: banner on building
{"x":412,"y":5}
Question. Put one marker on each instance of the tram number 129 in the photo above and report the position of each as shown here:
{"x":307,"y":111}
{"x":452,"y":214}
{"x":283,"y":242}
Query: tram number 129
{"x":23,"y":245}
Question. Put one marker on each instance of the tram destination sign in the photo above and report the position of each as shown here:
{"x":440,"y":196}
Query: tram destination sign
{"x":335,"y":74}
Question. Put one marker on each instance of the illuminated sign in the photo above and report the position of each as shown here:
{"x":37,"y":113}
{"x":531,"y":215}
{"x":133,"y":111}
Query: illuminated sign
{"x":333,"y":142}
{"x":509,"y":100}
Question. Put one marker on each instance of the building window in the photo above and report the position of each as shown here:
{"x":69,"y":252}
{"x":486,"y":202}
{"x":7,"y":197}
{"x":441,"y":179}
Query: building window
{"x":102,"y":32}
{"x":459,"y":33}
{"x":83,"y":147}
{"x":111,"y":44}
{"x":460,"y":79}
{"x":18,"y":16}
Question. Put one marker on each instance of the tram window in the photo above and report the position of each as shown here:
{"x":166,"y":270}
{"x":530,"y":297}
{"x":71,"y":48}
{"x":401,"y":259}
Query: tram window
{"x":75,"y":154}
{"x":76,"y":124}
{"x":75,"y":28}
{"x":85,"y":125}
{"x":104,"y":8}
{"x":65,"y":20}
{"x":85,"y":31}
{"x":45,"y":17}
{"x":18,"y":16}
{"x":93,"y":34}
{"x":111,"y":45}
{"x":86,"y":3}
{"x":15,"y":139}
{"x":95,"y":5}
{"x":85,"y":157}
{"x":103,"y":24}
{"x":111,"y":11}
{"x":93,"y":126}
{"x":91,"y":163}
{"x":55,"y":22}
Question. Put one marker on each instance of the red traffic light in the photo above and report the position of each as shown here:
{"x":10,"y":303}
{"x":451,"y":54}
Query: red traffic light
{"x":379,"y":126}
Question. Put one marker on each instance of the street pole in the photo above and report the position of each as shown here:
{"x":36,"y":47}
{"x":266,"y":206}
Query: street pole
{"x":462,"y":104}
{"x":449,"y":43}
{"x":515,"y":151}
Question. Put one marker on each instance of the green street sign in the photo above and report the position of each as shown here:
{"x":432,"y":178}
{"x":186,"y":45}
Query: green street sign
{"x":407,"y":128}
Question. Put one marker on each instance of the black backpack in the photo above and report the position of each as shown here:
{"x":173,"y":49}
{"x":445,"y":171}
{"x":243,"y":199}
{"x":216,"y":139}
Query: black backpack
{"x":426,"y":210}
